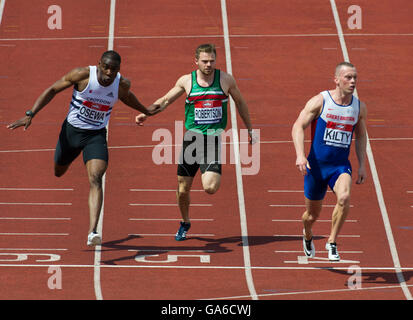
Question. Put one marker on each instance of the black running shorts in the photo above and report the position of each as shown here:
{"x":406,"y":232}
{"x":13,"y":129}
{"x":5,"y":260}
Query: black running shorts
{"x":73,"y":140}
{"x":199,"y":151}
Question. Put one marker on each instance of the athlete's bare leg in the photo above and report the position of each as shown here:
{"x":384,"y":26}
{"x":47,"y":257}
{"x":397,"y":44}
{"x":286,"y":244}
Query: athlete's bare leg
{"x":211,"y":181}
{"x":96,"y":168}
{"x":342,"y":190}
{"x":182,"y":196}
{"x":311,"y":214}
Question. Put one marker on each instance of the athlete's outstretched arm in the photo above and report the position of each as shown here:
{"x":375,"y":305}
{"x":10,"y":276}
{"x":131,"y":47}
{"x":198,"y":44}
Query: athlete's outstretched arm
{"x":129,"y":98}
{"x":163,"y":102}
{"x":311,"y":110}
{"x":67,"y":81}
{"x":361,"y":143}
{"x":240,"y":103}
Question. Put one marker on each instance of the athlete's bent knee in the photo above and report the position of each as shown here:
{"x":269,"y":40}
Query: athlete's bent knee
{"x":308,"y":217}
{"x":211,"y":188}
{"x":344,"y":199}
{"x":95,"y":180}
{"x":182,"y":192}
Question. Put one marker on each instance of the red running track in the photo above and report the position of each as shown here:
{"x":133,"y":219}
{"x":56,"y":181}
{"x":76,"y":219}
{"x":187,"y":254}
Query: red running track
{"x":281,"y":55}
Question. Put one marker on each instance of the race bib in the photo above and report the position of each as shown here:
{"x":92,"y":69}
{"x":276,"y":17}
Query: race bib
{"x":207,"y":112}
{"x":93,"y":112}
{"x":338,"y":134}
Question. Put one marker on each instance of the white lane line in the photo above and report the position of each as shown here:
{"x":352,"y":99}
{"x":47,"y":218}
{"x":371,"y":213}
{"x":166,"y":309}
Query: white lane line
{"x":174,"y":145}
{"x":111,"y":24}
{"x":286,"y":191}
{"x":310,"y":293}
{"x":240,"y":188}
{"x":325,"y":235}
{"x":300,"y":35}
{"x":2,"y":4}
{"x":36,"y":203}
{"x":170,"y":234}
{"x":26,"y":150}
{"x":290,"y":191}
{"x":98,"y":248}
{"x":375,"y":175}
{"x":299,"y":220}
{"x":115,"y":38}
{"x":160,"y":190}
{"x":169,"y":250}
{"x":298,"y":251}
{"x":33,"y":249}
{"x":169,"y":204}
{"x":32,"y":234}
{"x":160,"y":219}
{"x":131,"y":266}
{"x":28,"y":218}
{"x":36,"y":189}
{"x":302,"y":205}
{"x":306,"y":260}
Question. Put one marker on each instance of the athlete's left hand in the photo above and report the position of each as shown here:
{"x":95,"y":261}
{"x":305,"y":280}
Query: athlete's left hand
{"x":25,"y":121}
{"x":361,"y":175}
{"x":302,"y":165}
{"x":140,"y":119}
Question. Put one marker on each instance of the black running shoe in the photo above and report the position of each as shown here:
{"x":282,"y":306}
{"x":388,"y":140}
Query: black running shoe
{"x":183,"y":229}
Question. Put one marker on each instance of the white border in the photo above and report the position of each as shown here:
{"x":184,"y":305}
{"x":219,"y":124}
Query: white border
{"x":375,"y":175}
{"x":240,"y":188}
{"x":98,"y":248}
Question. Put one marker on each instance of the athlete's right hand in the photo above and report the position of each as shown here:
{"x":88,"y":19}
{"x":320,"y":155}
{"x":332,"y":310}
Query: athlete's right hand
{"x":25,"y":121}
{"x":140,"y":119}
{"x":302,"y":165}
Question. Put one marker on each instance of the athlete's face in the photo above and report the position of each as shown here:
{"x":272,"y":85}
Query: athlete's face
{"x":346,"y":79}
{"x":206,"y":63}
{"x":107,"y":71}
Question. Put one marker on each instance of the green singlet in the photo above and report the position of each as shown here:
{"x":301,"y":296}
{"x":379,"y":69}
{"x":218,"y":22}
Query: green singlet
{"x":206,"y":107}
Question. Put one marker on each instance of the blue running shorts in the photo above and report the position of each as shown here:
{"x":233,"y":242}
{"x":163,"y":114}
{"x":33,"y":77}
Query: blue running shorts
{"x":321,"y":176}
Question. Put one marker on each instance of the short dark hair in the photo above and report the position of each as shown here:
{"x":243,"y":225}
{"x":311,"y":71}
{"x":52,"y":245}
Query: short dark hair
{"x":207,"y":47}
{"x":343,"y":64}
{"x":112,"y":55}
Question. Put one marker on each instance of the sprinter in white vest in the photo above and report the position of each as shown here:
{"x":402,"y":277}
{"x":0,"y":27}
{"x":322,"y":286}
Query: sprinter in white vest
{"x":95,"y":91}
{"x":334,"y":116}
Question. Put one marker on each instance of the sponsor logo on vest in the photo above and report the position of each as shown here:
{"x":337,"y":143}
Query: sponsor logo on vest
{"x":338,"y":117}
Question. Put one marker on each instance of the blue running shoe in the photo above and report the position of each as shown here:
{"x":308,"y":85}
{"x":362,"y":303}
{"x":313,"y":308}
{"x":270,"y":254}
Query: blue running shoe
{"x":183,"y":229}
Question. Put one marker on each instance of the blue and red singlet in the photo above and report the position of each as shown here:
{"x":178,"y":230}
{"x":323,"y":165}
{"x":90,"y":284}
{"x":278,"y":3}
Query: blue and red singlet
{"x":332,"y":134}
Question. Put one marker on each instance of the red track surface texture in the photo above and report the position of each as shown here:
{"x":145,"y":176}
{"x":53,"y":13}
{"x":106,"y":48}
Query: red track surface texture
{"x":281,"y":53}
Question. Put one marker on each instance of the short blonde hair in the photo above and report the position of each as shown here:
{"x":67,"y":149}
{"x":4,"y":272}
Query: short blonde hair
{"x":343,"y":64}
{"x":207,"y":47}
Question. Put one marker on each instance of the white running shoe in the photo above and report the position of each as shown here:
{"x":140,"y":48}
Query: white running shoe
{"x":94,"y":239}
{"x":308,"y":246}
{"x":332,"y":251}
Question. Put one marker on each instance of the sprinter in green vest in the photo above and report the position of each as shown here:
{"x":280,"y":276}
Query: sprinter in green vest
{"x":207,"y":93}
